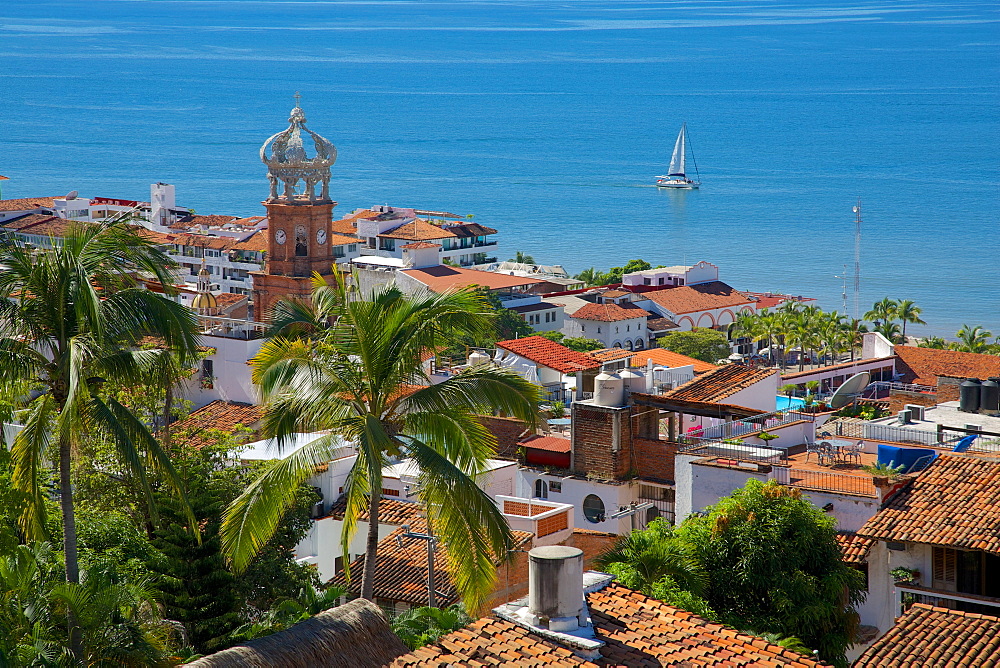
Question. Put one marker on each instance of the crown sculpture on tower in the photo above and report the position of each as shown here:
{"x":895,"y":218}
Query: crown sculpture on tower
{"x":287,"y":162}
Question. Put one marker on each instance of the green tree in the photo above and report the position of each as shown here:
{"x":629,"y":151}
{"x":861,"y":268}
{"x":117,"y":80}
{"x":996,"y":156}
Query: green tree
{"x":772,"y":564}
{"x":523,"y":258}
{"x":287,"y":612}
{"x":883,"y":311}
{"x":706,"y":345}
{"x":908,"y":312}
{"x":73,"y":316}
{"x":363,"y":381}
{"x":973,"y":339}
{"x":891,"y":331}
{"x":420,"y":626}
{"x":581,"y":344}
{"x":933,"y":342}
{"x":642,"y":559}
{"x":591,"y":276}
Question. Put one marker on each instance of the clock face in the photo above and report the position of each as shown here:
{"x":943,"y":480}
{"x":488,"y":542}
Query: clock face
{"x":321,"y":236}
{"x":279,"y":236}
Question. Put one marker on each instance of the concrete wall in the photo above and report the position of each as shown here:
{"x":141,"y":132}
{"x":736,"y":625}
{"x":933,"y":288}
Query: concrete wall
{"x":232,"y":373}
{"x":762,"y":395}
{"x":874,"y":345}
{"x":575,"y":490}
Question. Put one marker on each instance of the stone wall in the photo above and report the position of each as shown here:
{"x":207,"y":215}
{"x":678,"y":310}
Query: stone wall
{"x":948,"y":388}
{"x":654,"y":460}
{"x":508,"y":432}
{"x":899,"y":398}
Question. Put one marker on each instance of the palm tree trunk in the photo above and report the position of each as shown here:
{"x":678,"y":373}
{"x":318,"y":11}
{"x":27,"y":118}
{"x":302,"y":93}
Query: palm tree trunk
{"x":168,"y":404}
{"x":69,"y":540}
{"x":368,"y":576}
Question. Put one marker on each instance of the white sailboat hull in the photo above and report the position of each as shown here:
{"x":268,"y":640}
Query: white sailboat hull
{"x":673,"y":182}
{"x":677,"y":176}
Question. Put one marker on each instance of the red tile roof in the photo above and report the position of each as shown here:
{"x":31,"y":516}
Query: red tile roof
{"x":443,"y":278}
{"x":548,"y":353}
{"x":210,"y":220}
{"x":401,"y":571}
{"x":471,"y":230}
{"x":50,"y":226}
{"x":926,"y":636}
{"x":547,"y":443}
{"x":218,"y":415}
{"x":702,"y":297}
{"x":27,"y":203}
{"x":421,"y":244}
{"x":418,"y":230}
{"x":255,"y":242}
{"x":660,"y":324}
{"x":22,"y":222}
{"x":720,"y":383}
{"x":923,"y":365}
{"x":854,"y":547}
{"x":610,"y":312}
{"x":637,"y":630}
{"x":668,"y":358}
{"x":610,"y":354}
{"x":835,"y":367}
{"x":953,"y":503}
{"x":390,"y":511}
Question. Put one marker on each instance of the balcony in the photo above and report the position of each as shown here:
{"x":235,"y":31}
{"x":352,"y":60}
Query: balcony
{"x":908,"y":594}
{"x":550,"y":521}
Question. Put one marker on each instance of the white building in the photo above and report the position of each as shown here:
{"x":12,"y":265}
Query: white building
{"x":616,"y":325}
{"x":702,"y":272}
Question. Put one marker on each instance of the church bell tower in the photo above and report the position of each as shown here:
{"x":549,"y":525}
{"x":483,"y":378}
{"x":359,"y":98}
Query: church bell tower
{"x":299,"y":220}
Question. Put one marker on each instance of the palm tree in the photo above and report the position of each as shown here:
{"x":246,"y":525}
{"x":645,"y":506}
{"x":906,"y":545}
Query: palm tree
{"x":882,"y":311}
{"x":933,"y":342}
{"x":419,"y":626}
{"x":856,"y":329}
{"x":362,"y":380}
{"x":973,"y":339}
{"x":523,"y":258}
{"x":908,"y":312}
{"x":70,"y":320}
{"x":643,"y":558}
{"x":591,"y":276}
{"x":891,"y":331}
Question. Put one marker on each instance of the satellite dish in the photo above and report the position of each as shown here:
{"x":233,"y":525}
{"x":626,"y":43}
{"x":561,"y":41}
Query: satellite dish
{"x":73,"y":194}
{"x":851,"y":388}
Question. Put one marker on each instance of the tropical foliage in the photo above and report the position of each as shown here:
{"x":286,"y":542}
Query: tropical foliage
{"x":706,"y":345}
{"x":593,"y":276}
{"x":971,"y":339}
{"x":361,"y":379}
{"x":763,"y":559}
{"x":577,"y":343}
{"x":420,"y":626}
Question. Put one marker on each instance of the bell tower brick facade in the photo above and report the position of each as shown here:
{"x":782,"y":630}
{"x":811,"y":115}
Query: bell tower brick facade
{"x":299,"y":224}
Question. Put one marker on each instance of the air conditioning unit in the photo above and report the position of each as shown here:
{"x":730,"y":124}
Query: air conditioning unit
{"x":916,"y":411}
{"x":317,"y":510}
{"x":905,"y":416}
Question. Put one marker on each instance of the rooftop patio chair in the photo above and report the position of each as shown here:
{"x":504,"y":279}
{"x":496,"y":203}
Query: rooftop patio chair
{"x":964,"y":444}
{"x":823,"y":450}
{"x":853,"y":451}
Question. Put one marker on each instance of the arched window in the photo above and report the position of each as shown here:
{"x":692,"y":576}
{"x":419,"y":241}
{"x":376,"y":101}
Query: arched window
{"x":639,"y":345}
{"x":593,"y":508}
{"x":652,"y":514}
{"x":301,"y":244}
{"x":541,"y":489}
{"x":628,"y":345}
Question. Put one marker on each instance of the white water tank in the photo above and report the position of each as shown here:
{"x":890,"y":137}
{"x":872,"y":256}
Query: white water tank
{"x":555,"y":587}
{"x":609,"y":390}
{"x":633,"y":380}
{"x":478,"y":358}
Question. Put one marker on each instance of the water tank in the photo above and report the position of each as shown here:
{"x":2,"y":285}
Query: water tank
{"x":968,"y":398}
{"x":555,"y":587}
{"x":989,"y":396}
{"x":478,"y":358}
{"x":633,"y":380}
{"x":609,"y":390}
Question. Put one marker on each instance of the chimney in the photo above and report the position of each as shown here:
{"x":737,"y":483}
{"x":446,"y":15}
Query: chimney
{"x":555,"y":588}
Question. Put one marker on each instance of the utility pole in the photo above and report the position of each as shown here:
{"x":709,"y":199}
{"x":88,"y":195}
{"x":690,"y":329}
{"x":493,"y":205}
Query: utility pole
{"x":857,"y":257}
{"x":631,"y":511}
{"x":431,"y":594}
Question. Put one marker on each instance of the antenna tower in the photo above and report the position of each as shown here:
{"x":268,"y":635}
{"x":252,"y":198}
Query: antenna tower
{"x":857,"y":257}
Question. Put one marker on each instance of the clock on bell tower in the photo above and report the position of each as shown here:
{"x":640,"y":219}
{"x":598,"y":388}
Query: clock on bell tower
{"x":299,"y":223}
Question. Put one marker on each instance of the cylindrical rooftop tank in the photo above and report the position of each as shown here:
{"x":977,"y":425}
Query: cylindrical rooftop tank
{"x":609,"y":390}
{"x":633,"y":380}
{"x":989,"y":396}
{"x":477,"y":358}
{"x":968,"y":397}
{"x":555,"y":586}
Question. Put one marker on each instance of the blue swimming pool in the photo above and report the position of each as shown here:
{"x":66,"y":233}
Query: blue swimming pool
{"x":789,"y":403}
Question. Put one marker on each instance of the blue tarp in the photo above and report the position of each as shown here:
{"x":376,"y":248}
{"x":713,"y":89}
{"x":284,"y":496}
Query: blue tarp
{"x":894,"y":456}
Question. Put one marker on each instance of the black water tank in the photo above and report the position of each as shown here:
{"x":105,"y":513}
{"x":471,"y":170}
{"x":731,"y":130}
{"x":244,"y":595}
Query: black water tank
{"x":989,"y":396}
{"x":968,"y":398}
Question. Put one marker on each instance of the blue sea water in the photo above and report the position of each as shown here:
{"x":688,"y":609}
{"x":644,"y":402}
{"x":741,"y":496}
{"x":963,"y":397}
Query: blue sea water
{"x":549,"y":119}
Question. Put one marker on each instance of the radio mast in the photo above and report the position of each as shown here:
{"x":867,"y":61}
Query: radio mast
{"x":857,"y":257}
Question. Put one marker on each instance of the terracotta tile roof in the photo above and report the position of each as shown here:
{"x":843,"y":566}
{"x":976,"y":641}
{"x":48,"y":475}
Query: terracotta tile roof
{"x":923,"y":365}
{"x":547,"y":443}
{"x":249,"y":221}
{"x":854,"y":547}
{"x":668,"y":358}
{"x":548,"y":353}
{"x":341,"y":240}
{"x":443,"y":278}
{"x":390,"y":511}
{"x":610,"y":354}
{"x":720,"y":383}
{"x":401,"y":572}
{"x":637,"y":630}
{"x":210,"y":220}
{"x":203,"y":241}
{"x":21,"y":222}
{"x":702,"y":297}
{"x":153,"y":236}
{"x":255,"y":242}
{"x":660,"y":324}
{"x":471,"y":230}
{"x":614,"y":294}
{"x":418,"y":230}
{"x":228,"y":299}
{"x":610,"y":312}
{"x":218,"y":415}
{"x":27,"y":203}
{"x":421,"y":244}
{"x":927,"y":636}
{"x":953,"y":503}
{"x":51,"y":226}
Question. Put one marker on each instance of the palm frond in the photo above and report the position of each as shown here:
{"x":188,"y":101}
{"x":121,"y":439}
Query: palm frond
{"x":28,"y":456}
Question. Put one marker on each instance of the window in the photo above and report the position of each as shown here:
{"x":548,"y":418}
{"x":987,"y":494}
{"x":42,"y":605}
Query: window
{"x":660,"y":281}
{"x":387,"y":244}
{"x":207,"y":374}
{"x":593,"y":508}
{"x":647,"y":281}
{"x":338,"y":251}
{"x":371,"y":242}
{"x":541,"y":489}
{"x":966,"y":571}
{"x":555,"y":487}
{"x":390,"y":492}
{"x":352,"y":248}
{"x":301,"y":242}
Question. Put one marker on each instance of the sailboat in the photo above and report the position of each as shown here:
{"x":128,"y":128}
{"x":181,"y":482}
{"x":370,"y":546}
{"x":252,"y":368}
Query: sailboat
{"x":677,"y":174}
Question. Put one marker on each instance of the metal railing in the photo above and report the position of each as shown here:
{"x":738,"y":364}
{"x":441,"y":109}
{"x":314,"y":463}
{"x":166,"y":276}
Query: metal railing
{"x":741,"y":452}
{"x":908,"y":594}
{"x":829,"y":481}
{"x":750,"y":425}
{"x":869,"y":431}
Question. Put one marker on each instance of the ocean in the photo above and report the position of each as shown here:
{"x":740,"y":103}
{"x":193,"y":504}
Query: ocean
{"x":549,"y":119}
